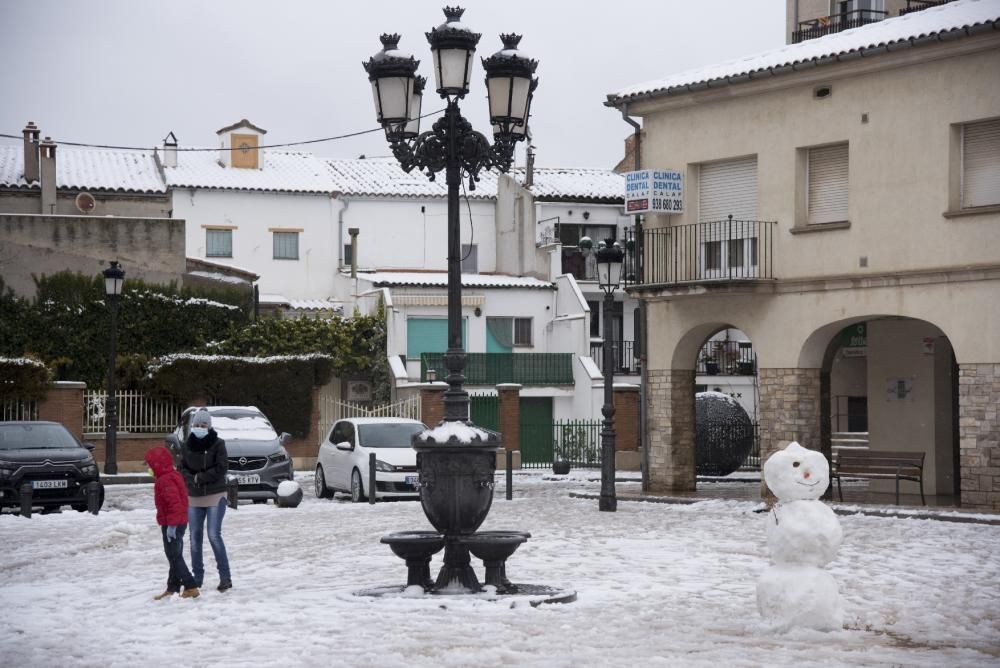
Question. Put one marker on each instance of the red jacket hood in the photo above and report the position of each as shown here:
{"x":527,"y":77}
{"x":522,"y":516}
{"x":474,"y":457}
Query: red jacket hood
{"x":160,"y":460}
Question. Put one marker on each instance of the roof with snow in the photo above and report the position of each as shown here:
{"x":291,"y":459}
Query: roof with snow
{"x":955,"y":19}
{"x":383,"y":177}
{"x":574,"y":184}
{"x":387,"y":279}
{"x":280,"y":171}
{"x":88,"y":169}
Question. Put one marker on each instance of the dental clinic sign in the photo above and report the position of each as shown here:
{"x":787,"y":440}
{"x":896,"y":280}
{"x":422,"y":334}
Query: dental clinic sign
{"x":654,"y":191}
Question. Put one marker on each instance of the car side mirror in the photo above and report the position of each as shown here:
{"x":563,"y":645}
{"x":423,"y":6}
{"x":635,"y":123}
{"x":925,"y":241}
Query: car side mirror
{"x":284,"y":438}
{"x":344,"y":445}
{"x":90,"y":446}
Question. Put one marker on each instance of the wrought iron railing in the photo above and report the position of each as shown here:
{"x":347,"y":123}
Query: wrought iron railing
{"x":623,"y":353}
{"x":137,"y":412}
{"x":727,"y":358}
{"x":494,"y":368}
{"x":825,"y":25}
{"x":917,"y":5}
{"x":16,"y":410}
{"x":719,"y":251}
{"x":575,"y":441}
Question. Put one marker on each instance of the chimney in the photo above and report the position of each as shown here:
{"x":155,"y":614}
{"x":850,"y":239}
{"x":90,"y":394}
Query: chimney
{"x":30,"y":152}
{"x":170,"y":150}
{"x":47,"y":152}
{"x":529,"y":170}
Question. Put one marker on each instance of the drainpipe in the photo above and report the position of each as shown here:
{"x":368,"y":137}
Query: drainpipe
{"x":353,"y":231}
{"x":340,"y":230}
{"x":643,"y":329}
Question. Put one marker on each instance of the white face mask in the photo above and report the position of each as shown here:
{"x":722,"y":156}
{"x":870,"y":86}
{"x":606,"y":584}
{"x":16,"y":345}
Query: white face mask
{"x":199,"y":432}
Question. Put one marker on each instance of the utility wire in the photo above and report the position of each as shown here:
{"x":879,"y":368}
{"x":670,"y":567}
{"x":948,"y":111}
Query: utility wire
{"x":194,"y":150}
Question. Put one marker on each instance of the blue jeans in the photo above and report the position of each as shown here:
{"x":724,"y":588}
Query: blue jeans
{"x":174,"y":549}
{"x":196,"y":519}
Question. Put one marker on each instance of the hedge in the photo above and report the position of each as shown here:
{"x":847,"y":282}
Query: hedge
{"x":22,"y":379}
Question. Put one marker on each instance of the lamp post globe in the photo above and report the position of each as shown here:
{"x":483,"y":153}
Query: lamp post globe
{"x":114,"y":280}
{"x":456,"y":461}
{"x":610,"y":259}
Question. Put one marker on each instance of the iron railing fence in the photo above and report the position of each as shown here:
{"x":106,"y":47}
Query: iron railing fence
{"x":331,"y":410}
{"x":727,"y":358}
{"x":917,"y":5}
{"x":575,"y":441}
{"x":825,"y":25}
{"x":495,"y":368}
{"x":137,"y":412}
{"x":17,"y":410}
{"x":719,"y":251}
{"x":623,"y":353}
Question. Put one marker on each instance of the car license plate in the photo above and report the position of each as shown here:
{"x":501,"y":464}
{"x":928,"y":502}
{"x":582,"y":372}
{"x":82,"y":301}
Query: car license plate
{"x":411,"y":480}
{"x":48,"y":484}
{"x":250,"y":479}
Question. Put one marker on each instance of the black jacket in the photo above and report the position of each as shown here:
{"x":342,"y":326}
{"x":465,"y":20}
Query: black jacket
{"x":204,"y":464}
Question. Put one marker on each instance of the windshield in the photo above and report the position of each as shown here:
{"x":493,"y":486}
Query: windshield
{"x":388,"y":435}
{"x":35,"y":436}
{"x":242,"y":425}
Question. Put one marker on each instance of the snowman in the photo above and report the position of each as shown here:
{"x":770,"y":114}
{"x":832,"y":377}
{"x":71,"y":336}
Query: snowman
{"x":803,"y":535}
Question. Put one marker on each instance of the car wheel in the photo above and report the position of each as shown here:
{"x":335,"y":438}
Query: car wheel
{"x":322,"y":491}
{"x":357,"y":490}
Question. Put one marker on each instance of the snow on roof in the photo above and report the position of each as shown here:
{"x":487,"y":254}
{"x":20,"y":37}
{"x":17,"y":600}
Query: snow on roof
{"x":88,"y":169}
{"x":384,"y":177}
{"x":440,"y":280}
{"x":574,"y":183}
{"x":218,"y":276}
{"x":913,"y":28}
{"x":280,"y":171}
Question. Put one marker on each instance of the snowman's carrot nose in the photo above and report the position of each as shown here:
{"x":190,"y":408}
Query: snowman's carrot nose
{"x":806,"y":474}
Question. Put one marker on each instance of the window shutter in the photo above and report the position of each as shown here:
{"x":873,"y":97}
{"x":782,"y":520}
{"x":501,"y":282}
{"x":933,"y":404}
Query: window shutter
{"x":728,"y":188}
{"x":827,"y":176}
{"x":981,"y":164}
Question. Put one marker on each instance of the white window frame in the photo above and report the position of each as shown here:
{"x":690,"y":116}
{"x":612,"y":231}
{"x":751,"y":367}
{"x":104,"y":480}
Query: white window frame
{"x":521,"y":343}
{"x":227,"y":232}
{"x":470,"y":258}
{"x":979,"y":149}
{"x":284,"y":234}
{"x":827,"y":189}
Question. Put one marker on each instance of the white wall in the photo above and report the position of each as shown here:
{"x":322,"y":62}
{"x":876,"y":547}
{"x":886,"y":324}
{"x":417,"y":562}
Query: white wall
{"x":412,"y":234}
{"x":252,"y":214}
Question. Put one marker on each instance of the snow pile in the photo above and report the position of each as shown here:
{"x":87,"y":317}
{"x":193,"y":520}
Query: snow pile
{"x":459,"y":431}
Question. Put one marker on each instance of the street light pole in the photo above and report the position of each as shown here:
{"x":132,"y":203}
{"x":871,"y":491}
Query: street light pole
{"x":114,"y":277}
{"x":609,"y":268}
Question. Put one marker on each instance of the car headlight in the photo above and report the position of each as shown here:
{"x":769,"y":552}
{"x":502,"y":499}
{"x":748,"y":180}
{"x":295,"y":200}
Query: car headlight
{"x":89,"y":469}
{"x":385,"y":467}
{"x":6,"y":470}
{"x":278,"y":457}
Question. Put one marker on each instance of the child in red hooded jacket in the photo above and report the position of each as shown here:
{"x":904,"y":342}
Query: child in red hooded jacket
{"x":170,"y":496}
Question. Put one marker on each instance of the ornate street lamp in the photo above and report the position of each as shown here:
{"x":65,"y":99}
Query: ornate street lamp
{"x":114,"y":279}
{"x":610,"y":257}
{"x":456,"y":469}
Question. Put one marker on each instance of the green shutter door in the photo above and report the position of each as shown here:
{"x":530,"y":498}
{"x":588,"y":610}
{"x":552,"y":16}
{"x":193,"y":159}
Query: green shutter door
{"x":429,"y":335}
{"x":536,"y":432}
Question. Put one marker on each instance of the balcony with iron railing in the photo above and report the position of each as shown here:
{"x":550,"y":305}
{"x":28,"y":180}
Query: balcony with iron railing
{"x":917,"y":5}
{"x":722,"y":251}
{"x":826,"y":25}
{"x":494,"y":368}
{"x":727,"y":358}
{"x":623,"y":353}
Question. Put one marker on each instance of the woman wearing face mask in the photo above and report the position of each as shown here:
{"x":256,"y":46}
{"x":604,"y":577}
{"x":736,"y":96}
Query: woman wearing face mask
{"x":204,"y":465}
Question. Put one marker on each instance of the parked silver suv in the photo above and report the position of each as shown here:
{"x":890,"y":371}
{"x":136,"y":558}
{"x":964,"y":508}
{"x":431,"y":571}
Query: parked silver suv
{"x":257,"y":456}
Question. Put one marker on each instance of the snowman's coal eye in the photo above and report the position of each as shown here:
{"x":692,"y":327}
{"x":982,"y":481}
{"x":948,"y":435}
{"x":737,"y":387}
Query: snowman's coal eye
{"x":795,"y":464}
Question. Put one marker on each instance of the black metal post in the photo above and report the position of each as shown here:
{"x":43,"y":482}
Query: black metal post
{"x":111,"y":404}
{"x":510,"y":475}
{"x":608,"y":501}
{"x":371,"y":478}
{"x":456,"y":399}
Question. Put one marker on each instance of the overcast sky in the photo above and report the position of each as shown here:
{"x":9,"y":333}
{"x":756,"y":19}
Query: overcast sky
{"x":126,"y":72}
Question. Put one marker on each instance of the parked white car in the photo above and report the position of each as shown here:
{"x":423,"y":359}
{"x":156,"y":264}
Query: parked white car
{"x":343,"y":461}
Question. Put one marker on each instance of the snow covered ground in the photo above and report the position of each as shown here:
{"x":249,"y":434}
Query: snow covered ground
{"x":658,"y":585}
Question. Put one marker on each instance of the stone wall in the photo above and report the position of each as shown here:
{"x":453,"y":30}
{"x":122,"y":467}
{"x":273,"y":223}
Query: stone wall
{"x":148,"y":248}
{"x":979,"y":435}
{"x":789,"y":409}
{"x":670,"y":430}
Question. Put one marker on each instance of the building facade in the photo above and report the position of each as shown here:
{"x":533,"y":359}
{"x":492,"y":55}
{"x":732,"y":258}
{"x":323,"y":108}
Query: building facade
{"x":842,"y":181}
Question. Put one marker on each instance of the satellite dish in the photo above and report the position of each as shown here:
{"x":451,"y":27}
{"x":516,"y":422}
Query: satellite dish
{"x":85,"y":202}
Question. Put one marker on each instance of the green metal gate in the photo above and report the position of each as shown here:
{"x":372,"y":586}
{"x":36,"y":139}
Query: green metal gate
{"x":484,"y":410}
{"x":536,"y":432}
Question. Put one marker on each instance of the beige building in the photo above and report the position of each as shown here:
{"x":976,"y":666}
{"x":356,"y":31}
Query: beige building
{"x":842,"y":208}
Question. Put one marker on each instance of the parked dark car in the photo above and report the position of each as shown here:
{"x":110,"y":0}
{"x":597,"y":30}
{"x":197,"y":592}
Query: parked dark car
{"x":257,"y":456}
{"x":47,"y":457}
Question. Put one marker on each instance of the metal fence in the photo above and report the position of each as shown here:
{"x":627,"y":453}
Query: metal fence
{"x":575,"y":441}
{"x":496,"y":368}
{"x":623,"y":353}
{"x":331,"y":410}
{"x":18,"y":410}
{"x":137,"y":412}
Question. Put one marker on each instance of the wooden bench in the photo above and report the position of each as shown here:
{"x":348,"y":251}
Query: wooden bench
{"x":880,"y":464}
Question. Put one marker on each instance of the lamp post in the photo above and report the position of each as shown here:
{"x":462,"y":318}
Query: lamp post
{"x":609,"y":270}
{"x":452,"y":145}
{"x":456,"y":461}
{"x":114,"y":278}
